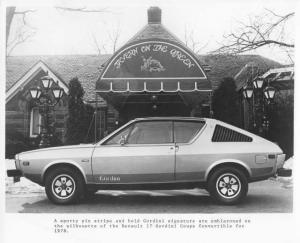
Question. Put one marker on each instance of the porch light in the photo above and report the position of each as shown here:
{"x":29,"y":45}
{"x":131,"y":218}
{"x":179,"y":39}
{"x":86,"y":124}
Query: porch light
{"x":153,"y":98}
{"x":247,"y":92}
{"x":35,"y":93}
{"x":269,"y":93}
{"x":47,"y":81}
{"x":258,"y":83}
{"x":58,"y":93}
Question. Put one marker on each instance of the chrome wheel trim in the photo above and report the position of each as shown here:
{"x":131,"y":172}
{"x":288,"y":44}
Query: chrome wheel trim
{"x":228,"y":185}
{"x":63,"y":186}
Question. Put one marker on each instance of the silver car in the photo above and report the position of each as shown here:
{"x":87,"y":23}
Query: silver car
{"x":156,"y":153}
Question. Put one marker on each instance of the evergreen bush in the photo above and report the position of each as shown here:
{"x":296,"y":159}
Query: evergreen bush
{"x":225,"y":102}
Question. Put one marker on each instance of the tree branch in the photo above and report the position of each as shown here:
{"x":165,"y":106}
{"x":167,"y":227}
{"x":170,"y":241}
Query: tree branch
{"x":22,"y":34}
{"x":21,"y":38}
{"x":96,"y":44}
{"x":83,"y":10}
{"x":256,"y":34}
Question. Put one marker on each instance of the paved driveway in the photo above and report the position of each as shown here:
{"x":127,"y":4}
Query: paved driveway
{"x":271,"y":196}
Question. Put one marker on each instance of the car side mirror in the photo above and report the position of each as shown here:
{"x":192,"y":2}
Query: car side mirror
{"x":123,"y":140}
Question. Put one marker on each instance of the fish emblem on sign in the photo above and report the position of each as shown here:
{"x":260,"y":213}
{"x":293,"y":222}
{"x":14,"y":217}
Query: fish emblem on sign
{"x":151,"y":65}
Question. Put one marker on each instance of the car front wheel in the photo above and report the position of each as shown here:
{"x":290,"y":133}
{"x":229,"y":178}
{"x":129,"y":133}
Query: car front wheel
{"x":64,"y":185}
{"x":228,"y":185}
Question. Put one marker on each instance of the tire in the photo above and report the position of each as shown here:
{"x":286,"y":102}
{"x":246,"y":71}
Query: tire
{"x":64,"y":185}
{"x":228,"y":185}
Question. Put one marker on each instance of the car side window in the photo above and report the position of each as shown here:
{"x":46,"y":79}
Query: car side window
{"x":224,"y":134}
{"x":118,"y":137}
{"x":185,"y":131}
{"x":153,"y":132}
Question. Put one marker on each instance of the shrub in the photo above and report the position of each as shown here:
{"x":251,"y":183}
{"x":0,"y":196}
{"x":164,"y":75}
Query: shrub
{"x":225,"y":102}
{"x":16,"y":143}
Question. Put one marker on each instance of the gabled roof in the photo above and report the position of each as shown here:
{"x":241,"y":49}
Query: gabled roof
{"x":30,"y":74}
{"x":280,"y":78}
{"x":85,"y":67}
{"x":260,"y":65}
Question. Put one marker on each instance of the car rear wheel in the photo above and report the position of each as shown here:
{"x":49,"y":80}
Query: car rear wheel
{"x":64,"y":185}
{"x":228,"y":185}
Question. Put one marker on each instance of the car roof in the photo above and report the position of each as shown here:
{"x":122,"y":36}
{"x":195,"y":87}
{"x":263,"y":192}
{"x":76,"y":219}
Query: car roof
{"x":177,"y":118}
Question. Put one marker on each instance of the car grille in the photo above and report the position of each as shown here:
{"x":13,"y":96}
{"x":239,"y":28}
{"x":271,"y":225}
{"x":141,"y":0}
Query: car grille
{"x":224,"y":134}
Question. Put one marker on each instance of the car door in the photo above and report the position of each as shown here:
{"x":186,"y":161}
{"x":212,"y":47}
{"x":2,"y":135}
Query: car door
{"x":144,"y":152}
{"x":190,"y":155}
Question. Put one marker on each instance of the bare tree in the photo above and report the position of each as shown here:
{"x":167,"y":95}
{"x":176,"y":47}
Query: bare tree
{"x":265,"y":30}
{"x":114,"y":35}
{"x":96,"y":44}
{"x":23,"y":32}
{"x":83,"y":9}
{"x":190,"y":41}
{"x":10,"y":12}
{"x":99,"y":46}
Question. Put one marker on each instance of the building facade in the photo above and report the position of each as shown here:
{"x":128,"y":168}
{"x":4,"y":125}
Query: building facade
{"x":153,"y":74}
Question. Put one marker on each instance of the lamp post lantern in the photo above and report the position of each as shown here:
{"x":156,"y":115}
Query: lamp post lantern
{"x":269,"y":93}
{"x":45,"y":97}
{"x":247,"y":92}
{"x":258,"y":82}
{"x":47,"y":82}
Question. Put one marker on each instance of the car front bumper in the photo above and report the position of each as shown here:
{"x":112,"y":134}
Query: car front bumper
{"x":283,"y":172}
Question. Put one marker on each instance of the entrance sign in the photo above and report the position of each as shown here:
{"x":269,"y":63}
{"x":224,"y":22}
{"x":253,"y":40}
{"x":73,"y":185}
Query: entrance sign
{"x":154,"y":66}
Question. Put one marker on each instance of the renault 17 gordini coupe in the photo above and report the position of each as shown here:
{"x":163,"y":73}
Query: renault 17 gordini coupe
{"x":156,"y":153}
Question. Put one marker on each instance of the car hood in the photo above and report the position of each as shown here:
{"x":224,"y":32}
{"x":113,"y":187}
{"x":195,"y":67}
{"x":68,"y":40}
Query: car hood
{"x":59,"y":148}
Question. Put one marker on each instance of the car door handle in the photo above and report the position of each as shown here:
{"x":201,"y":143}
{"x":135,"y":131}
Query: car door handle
{"x":176,"y":147}
{"x":85,"y":160}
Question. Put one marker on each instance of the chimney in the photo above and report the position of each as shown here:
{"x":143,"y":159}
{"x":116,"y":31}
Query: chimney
{"x":154,"y":15}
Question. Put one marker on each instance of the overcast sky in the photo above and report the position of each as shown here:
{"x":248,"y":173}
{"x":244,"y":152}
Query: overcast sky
{"x":59,"y":32}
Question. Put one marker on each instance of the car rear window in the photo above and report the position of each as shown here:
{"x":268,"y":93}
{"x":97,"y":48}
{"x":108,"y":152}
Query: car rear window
{"x":224,"y":134}
{"x":185,"y":131}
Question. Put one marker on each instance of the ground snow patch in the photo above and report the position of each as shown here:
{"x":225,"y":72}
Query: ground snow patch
{"x":24,"y":186}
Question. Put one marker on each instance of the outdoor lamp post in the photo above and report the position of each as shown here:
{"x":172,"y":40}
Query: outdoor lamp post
{"x":45,"y":97}
{"x":269,"y":93}
{"x":259,"y":99}
{"x":258,"y":104}
{"x":248,"y":94}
